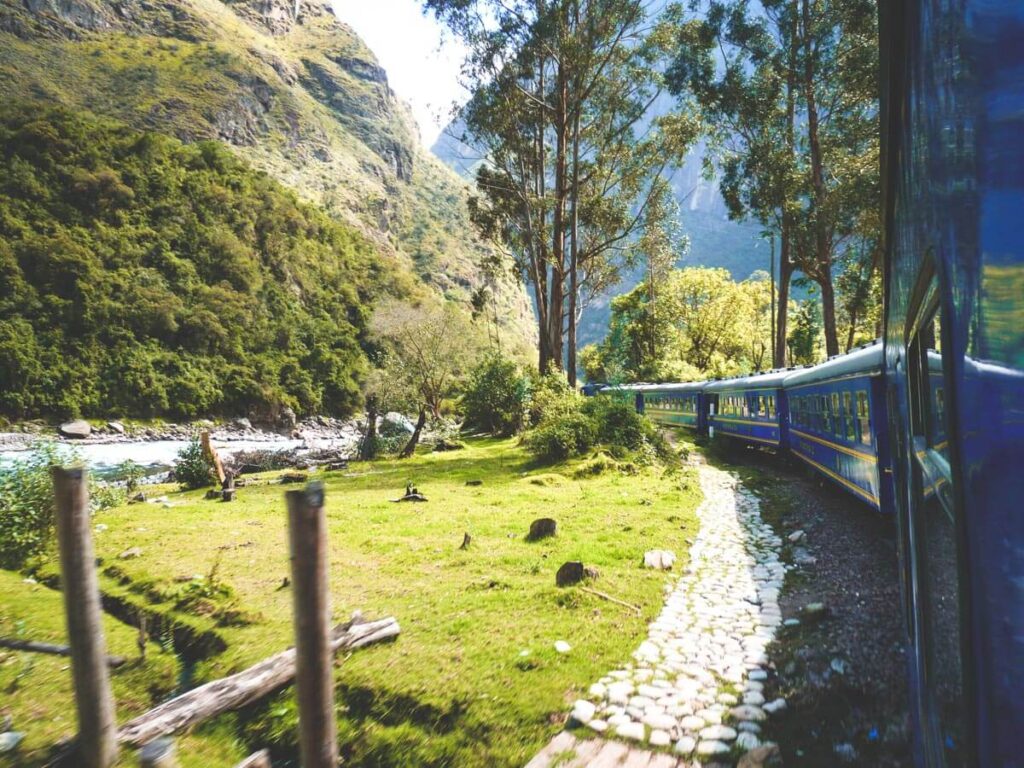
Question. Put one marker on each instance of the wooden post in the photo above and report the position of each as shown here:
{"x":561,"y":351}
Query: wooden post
{"x":314,"y":678}
{"x":211,"y":453}
{"x":97,"y":747}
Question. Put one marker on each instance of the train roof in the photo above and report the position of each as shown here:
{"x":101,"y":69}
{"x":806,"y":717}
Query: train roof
{"x":685,"y":386}
{"x":682,"y":386}
{"x":756,"y":381}
{"x":867,"y":360}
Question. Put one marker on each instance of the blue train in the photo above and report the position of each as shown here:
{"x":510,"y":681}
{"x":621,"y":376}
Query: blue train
{"x":927,"y":426}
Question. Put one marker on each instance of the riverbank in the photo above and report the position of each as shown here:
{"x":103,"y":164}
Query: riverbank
{"x":155,"y":447}
{"x":22,"y":437}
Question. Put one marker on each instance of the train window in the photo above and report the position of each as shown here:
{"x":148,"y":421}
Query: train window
{"x":864,"y":417}
{"x":851,"y":422}
{"x":771,"y":406}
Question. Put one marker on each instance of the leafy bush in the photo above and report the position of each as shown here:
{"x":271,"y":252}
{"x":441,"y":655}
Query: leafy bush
{"x":26,"y":507}
{"x":193,"y":469}
{"x":619,"y":424}
{"x":26,"y":504}
{"x":569,"y":432}
{"x":570,"y":425}
{"x":496,"y":397}
{"x":552,"y":396}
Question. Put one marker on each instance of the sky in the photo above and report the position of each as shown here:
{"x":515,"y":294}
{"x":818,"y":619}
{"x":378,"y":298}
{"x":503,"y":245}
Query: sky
{"x":421,"y":59}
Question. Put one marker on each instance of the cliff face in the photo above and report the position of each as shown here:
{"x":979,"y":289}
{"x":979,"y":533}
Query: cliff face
{"x":289,"y":87}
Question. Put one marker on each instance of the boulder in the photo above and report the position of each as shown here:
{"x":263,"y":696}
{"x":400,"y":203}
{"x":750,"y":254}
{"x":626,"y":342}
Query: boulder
{"x":242,"y":423}
{"x":77,"y":430}
{"x":393,"y":423}
{"x":286,"y":419}
{"x":759,"y":757}
{"x":130,"y":554}
{"x":116,"y":426}
{"x":661,"y":559}
{"x":570,"y":573}
{"x":542,"y":528}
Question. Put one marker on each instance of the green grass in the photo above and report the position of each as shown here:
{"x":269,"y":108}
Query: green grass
{"x":474,"y":678}
{"x":35,"y":689}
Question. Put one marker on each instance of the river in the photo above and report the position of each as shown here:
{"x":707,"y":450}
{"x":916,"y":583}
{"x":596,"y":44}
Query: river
{"x":154,"y":456}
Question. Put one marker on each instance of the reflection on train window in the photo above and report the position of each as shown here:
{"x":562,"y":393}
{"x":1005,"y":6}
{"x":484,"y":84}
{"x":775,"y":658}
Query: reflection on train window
{"x":864,"y":417}
{"x":837,"y":423}
{"x":936,"y":532}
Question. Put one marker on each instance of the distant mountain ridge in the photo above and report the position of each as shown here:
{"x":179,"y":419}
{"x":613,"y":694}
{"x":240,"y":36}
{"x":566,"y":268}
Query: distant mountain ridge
{"x":288,"y":87}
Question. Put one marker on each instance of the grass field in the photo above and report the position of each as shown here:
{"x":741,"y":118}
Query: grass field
{"x":474,"y":678}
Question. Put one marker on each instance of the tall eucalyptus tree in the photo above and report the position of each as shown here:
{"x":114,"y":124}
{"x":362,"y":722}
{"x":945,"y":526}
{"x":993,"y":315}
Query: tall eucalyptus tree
{"x":788,"y":89}
{"x":559,"y":107}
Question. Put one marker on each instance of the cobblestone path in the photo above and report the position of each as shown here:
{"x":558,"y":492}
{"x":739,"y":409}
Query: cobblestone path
{"x":692,"y":694}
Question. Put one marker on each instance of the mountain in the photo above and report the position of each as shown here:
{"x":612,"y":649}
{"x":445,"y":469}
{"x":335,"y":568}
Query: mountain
{"x":140,"y":276}
{"x":289,"y":88}
{"x":715,"y":240}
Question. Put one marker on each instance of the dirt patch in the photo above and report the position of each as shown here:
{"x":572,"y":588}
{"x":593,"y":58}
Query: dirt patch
{"x":842,"y":669}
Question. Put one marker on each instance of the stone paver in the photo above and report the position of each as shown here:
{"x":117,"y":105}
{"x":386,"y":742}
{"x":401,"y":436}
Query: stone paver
{"x":695,"y":681}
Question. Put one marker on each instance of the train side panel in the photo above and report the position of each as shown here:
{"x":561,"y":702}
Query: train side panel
{"x":752,"y":415}
{"x":832,"y":429}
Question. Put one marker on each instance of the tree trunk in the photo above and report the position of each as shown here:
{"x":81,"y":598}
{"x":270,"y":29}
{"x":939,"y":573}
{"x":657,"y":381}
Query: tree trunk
{"x":782,"y":308}
{"x":410,"y":447}
{"x":828,"y":311}
{"x":822,"y":247}
{"x":786,"y":234}
{"x":556,"y":301}
{"x":368,"y":450}
{"x":574,"y":246}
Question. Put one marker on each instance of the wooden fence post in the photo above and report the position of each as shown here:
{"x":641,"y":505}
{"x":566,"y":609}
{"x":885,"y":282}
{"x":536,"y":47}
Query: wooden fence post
{"x":314,"y":676}
{"x":97,"y":745}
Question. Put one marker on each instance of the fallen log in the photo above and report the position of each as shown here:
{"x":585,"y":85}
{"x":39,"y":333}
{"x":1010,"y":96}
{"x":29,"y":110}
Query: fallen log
{"x":56,"y":650}
{"x":238,"y":690}
{"x":410,"y":497}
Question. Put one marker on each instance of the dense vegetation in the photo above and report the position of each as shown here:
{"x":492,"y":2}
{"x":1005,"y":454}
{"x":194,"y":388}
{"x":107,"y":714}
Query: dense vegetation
{"x":142,"y":276}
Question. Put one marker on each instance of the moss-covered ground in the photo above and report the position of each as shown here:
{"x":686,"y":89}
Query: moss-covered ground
{"x":474,"y":678}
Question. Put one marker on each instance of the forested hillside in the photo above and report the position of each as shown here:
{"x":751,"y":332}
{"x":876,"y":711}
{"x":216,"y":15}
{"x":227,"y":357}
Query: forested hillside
{"x":290,"y":89}
{"x":145,"y":277}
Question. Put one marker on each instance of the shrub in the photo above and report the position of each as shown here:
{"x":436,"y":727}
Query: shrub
{"x":568,"y":432}
{"x":26,"y":504}
{"x":570,"y":425}
{"x":552,"y":396}
{"x":26,"y":507}
{"x":193,"y":469}
{"x":618,"y":423}
{"x":496,"y":397}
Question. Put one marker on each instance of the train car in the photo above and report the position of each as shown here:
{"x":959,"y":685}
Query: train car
{"x":677,"y":405}
{"x":750,"y":408}
{"x":838,"y":423}
{"x":953,"y":192}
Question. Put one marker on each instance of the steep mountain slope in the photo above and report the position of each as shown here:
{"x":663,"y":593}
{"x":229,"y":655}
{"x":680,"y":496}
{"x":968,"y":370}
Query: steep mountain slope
{"x":143,"y":277}
{"x":290,"y":88}
{"x":715,"y":240}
